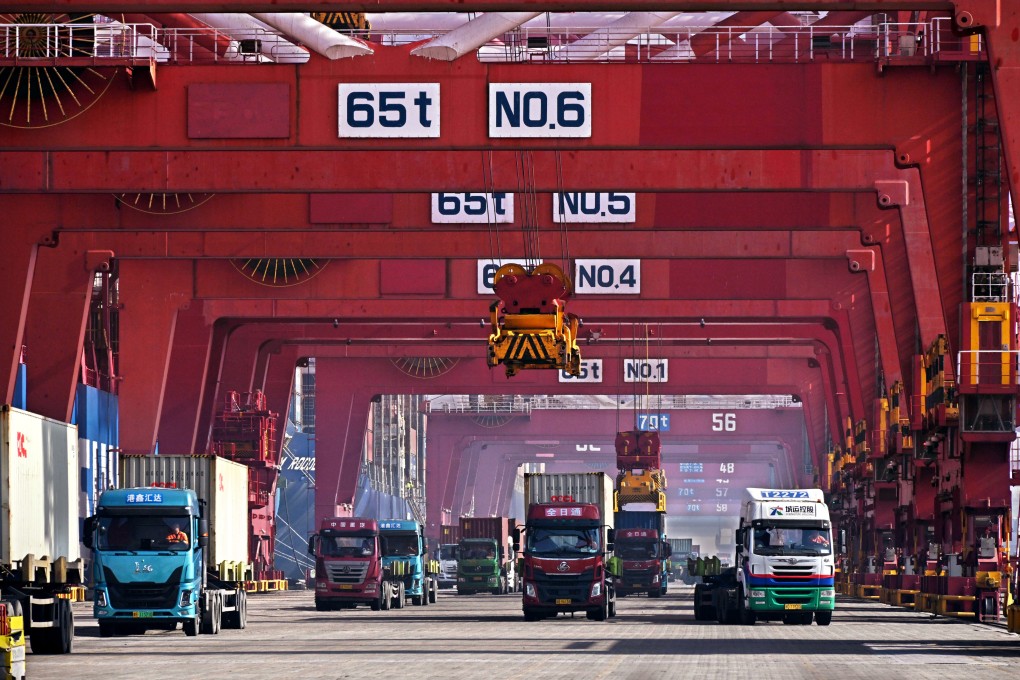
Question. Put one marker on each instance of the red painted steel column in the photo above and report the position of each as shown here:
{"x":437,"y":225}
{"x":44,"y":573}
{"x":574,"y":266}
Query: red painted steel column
{"x":278,"y":384}
{"x":21,"y":247}
{"x":151,"y":294}
{"x":342,"y":403}
{"x":189,"y":361}
{"x":207,"y":405}
{"x":1004,"y":58}
{"x":438,"y":467}
{"x":57,"y":317}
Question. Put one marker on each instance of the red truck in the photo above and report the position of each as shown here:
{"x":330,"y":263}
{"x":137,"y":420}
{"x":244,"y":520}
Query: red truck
{"x":348,"y":565}
{"x":569,"y":530}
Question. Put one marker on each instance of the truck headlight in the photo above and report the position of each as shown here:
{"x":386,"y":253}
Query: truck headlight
{"x":185,"y":598}
{"x":827,"y":593}
{"x":321,"y":585}
{"x":370,"y":587}
{"x":493,"y":581}
{"x":461,"y":579}
{"x":529,"y":590}
{"x":596,"y":589}
{"x":101,"y":599}
{"x":655,"y":579}
{"x":760,"y":594}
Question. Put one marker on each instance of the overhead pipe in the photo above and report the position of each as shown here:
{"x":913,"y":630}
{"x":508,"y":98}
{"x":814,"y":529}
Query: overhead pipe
{"x":470,"y":36}
{"x":619,"y":32}
{"x":202,"y":41}
{"x":315,"y":35}
{"x":246,"y":27}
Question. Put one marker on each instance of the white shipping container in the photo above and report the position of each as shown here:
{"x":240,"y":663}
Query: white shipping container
{"x":221,"y":483}
{"x":39,"y":495}
{"x":583,"y":487}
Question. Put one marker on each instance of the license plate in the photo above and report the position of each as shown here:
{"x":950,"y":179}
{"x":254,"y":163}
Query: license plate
{"x":142,"y":615}
{"x":794,"y":606}
{"x":346,"y":587}
{"x":563,"y":601}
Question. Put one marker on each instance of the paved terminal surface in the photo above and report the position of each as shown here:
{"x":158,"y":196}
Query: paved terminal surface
{"x":484,"y":637}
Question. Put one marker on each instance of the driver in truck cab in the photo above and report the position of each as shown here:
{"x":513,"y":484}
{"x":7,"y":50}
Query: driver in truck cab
{"x":176,"y":535}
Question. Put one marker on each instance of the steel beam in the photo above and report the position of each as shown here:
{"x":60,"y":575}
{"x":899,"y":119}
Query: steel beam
{"x":57,"y":318}
{"x":151,"y":294}
{"x":189,"y":363}
{"x":189,"y":6}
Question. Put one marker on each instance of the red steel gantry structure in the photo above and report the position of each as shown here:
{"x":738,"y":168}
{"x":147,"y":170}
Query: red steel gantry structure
{"x":813,"y":221}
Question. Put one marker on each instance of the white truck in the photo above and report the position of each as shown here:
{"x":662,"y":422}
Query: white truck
{"x":785,"y":567}
{"x":40,"y":553}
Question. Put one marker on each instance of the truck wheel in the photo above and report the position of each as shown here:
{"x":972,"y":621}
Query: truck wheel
{"x":531,"y":615}
{"x":192,"y":627}
{"x":60,"y":638}
{"x":612,"y":606}
{"x":217,"y":621}
{"x":398,"y":603}
{"x":655,"y":593}
{"x":418,"y":600}
{"x":320,"y":606}
{"x":747,"y":617}
{"x":385,"y":598}
{"x":697,"y":603}
{"x":243,"y":614}
{"x":433,"y":591}
{"x":600,"y":614}
{"x":823,"y":618}
{"x":106,"y":629}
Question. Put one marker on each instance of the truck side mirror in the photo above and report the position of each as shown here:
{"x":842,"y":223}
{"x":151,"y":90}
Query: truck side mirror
{"x":311,"y":544}
{"x":203,"y":532}
{"x":88,"y":537}
{"x":739,"y":539}
{"x":842,"y":541}
{"x":610,"y":539}
{"x":517,"y":539}
{"x":667,"y":550}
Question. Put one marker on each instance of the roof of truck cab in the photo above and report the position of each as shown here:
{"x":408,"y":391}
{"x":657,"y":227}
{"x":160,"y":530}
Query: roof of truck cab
{"x":148,"y":496}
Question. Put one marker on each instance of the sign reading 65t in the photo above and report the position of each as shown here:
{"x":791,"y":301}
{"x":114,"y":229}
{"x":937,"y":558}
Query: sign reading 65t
{"x":373,"y":110}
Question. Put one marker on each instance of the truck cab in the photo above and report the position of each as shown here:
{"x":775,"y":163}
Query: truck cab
{"x":484,"y":566}
{"x":148,"y":559}
{"x":348,"y":564}
{"x":405,"y":561}
{"x":564,"y":565}
{"x":447,"y":557}
{"x":785,"y":564}
{"x":643,"y":562}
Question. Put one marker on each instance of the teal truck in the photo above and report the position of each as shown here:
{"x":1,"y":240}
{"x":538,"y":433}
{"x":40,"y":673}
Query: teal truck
{"x":406,"y":564}
{"x":171,"y":551}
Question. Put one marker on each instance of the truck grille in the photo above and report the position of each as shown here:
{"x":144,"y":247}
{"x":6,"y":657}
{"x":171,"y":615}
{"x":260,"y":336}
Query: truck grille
{"x":450,"y":568}
{"x":793,"y":596}
{"x":476,"y":569}
{"x":346,"y":572}
{"x":143,"y":594}
{"x":574,"y":587}
{"x":790,"y":572}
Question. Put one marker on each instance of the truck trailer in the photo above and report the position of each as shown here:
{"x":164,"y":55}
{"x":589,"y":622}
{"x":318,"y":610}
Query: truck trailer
{"x":785,"y":568}
{"x":569,"y":532}
{"x":171,"y":546}
{"x":40,"y":558}
{"x":486,"y":559}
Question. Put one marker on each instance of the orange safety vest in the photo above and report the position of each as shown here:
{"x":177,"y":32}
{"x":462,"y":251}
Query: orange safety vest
{"x":177,"y":537}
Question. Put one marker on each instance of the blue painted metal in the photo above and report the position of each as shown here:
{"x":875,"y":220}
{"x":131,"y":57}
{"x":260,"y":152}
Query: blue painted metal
{"x":97,"y":415}
{"x":20,"y":388}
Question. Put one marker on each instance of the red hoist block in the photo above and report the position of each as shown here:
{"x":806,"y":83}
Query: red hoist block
{"x":638,"y":450}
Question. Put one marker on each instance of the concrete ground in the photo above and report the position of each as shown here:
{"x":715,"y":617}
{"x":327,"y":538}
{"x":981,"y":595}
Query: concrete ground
{"x":485,"y":637}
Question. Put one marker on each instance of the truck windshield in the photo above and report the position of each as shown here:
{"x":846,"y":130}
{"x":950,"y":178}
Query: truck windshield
{"x":772,"y":539}
{"x":477,"y":550}
{"x":637,"y":550}
{"x":448,"y":552}
{"x":397,"y":545}
{"x":140,"y":532}
{"x":563,"y":541}
{"x":346,"y":546}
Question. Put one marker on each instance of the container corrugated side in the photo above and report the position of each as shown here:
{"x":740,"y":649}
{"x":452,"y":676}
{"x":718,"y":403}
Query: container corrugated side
{"x":485,"y":527}
{"x":39,"y":487}
{"x":641,"y":520}
{"x":221,"y":483}
{"x":583,"y":487}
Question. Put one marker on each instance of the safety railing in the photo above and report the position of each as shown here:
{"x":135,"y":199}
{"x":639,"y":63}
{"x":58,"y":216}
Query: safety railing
{"x":989,"y":368}
{"x":889,"y":42}
{"x":991,"y":287}
{"x":28,"y":43}
{"x":514,"y":404}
